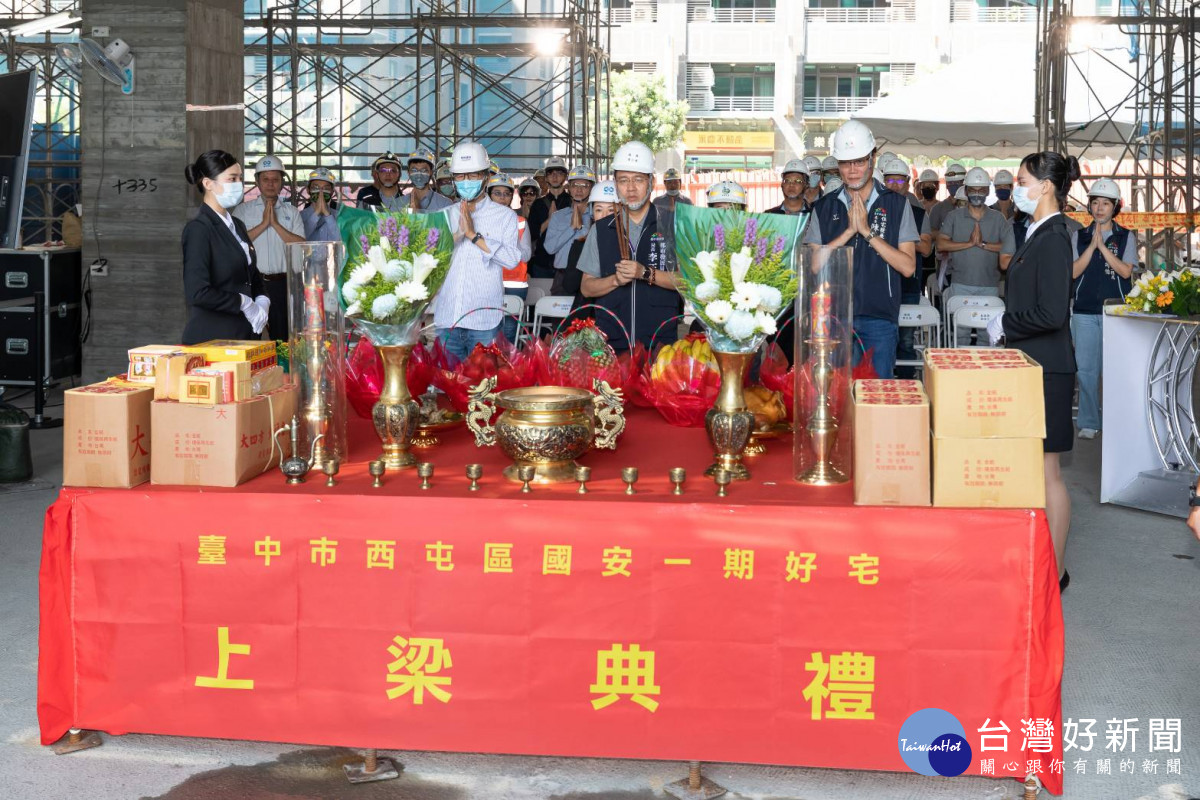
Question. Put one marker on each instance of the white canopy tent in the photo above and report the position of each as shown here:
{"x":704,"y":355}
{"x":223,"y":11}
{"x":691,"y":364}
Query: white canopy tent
{"x":963,"y":113}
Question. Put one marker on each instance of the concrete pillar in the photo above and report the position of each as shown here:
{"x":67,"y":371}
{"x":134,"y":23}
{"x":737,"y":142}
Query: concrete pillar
{"x":135,"y":148}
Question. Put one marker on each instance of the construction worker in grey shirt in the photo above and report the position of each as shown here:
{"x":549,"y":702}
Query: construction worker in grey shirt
{"x":673,"y":183}
{"x":424,"y":195}
{"x":955,"y":175}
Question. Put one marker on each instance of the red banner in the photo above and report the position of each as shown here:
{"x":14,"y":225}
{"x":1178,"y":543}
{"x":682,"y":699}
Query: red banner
{"x":648,"y":627}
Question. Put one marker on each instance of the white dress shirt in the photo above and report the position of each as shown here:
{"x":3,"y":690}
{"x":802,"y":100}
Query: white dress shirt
{"x":228,"y":220}
{"x":272,"y":252}
{"x":476,"y":278}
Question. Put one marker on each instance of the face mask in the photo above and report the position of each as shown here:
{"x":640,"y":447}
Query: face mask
{"x":419,"y":180}
{"x":1003,"y":194}
{"x":672,"y":192}
{"x":953,"y":188}
{"x":447,"y":189}
{"x":1023,"y":201}
{"x":638,"y":205}
{"x":230,"y":194}
{"x":929,"y":192}
{"x":468,"y":190}
{"x":976,"y":200}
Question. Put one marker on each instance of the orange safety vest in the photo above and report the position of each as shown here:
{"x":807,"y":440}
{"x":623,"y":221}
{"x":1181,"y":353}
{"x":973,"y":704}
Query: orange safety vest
{"x":518,"y":276}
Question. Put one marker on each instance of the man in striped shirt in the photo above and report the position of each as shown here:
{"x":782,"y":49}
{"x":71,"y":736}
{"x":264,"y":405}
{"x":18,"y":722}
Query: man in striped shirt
{"x":468,"y":309}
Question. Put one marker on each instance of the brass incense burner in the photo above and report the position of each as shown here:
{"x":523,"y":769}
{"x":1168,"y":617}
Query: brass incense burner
{"x":546,"y":427}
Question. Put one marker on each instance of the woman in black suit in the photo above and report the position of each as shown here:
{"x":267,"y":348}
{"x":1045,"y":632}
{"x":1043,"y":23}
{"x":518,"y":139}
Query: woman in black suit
{"x":1037,"y":319}
{"x":220,"y":272}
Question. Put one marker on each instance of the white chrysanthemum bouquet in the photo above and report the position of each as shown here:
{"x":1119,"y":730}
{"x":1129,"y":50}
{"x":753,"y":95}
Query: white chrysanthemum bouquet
{"x":401,"y":262}
{"x":738,"y":278}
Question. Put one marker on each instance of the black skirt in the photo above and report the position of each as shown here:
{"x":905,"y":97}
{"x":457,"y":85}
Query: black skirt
{"x":1059,"y":390}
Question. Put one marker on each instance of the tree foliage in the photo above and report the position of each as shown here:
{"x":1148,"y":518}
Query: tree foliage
{"x":643,"y":111}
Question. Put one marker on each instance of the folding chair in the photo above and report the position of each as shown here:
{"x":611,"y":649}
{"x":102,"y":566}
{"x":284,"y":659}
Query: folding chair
{"x":551,"y":307}
{"x":515,"y":307}
{"x":929,"y":322}
{"x":957,"y":302}
{"x":976,"y":318}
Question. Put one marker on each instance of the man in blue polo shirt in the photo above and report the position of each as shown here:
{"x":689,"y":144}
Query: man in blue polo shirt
{"x":878,"y":223}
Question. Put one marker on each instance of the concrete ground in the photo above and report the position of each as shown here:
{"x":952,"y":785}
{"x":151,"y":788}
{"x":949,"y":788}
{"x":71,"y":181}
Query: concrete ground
{"x":1133,"y":651}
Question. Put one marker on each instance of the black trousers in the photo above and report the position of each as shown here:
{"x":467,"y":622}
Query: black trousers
{"x":277,"y":316}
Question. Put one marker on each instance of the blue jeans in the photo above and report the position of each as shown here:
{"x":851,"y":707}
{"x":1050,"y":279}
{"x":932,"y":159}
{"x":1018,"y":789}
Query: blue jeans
{"x":510,"y":324}
{"x":459,"y":342}
{"x":1088,"y":332}
{"x":883,"y":335}
{"x":907,"y":351}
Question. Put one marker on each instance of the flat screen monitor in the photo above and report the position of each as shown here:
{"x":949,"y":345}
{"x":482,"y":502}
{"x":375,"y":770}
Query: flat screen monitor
{"x":17,"y":90}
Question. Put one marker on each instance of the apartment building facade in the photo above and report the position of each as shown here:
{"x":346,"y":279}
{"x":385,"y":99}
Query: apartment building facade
{"x":768,"y":80}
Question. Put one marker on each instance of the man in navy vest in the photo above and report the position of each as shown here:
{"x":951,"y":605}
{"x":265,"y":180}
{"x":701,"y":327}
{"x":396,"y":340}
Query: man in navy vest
{"x":628,"y":260}
{"x":1107,"y":254}
{"x":878,"y":223}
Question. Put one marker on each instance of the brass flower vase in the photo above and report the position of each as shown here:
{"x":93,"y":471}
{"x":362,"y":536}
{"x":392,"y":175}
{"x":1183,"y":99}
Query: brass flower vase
{"x":396,"y":414}
{"x":729,"y":422}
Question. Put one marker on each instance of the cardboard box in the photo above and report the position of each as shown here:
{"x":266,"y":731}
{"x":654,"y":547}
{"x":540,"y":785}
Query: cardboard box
{"x":107,"y":435}
{"x":988,"y":473}
{"x":219,"y":445}
{"x":891,"y":444}
{"x":237,"y":376}
{"x":985,"y":394}
{"x":144,"y":360}
{"x":169,"y":368}
{"x":260,"y":354}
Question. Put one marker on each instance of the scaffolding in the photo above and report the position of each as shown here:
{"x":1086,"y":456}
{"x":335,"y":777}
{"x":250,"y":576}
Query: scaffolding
{"x":52,"y":186}
{"x":1157,"y":158}
{"x":335,"y":83}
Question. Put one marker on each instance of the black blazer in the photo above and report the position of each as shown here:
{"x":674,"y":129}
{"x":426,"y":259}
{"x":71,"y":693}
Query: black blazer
{"x":1037,"y":317}
{"x":215,"y":273}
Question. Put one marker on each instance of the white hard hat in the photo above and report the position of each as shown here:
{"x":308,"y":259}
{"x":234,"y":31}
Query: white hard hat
{"x":501,"y":179}
{"x":1105,"y":187}
{"x":829,"y":162}
{"x":887,"y":154}
{"x":978,"y":177}
{"x":955,"y":171}
{"x":894,"y":166}
{"x":960,"y":193}
{"x":1003,"y":178}
{"x":555,"y":162}
{"x":322,"y":174}
{"x":603,"y":192}
{"x":852,"y":141}
{"x":727,"y":192}
{"x":672,"y":174}
{"x":422,"y":154}
{"x":469,"y":157}
{"x":832,"y":185}
{"x":813,"y":163}
{"x":928,"y":175}
{"x":582,"y":172}
{"x":634,"y":157}
{"x":795,"y":165}
{"x":269,"y":164}
{"x":529,"y":183}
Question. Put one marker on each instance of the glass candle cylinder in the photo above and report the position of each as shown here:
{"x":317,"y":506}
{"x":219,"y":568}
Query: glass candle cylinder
{"x":318,"y":349}
{"x":822,"y":448}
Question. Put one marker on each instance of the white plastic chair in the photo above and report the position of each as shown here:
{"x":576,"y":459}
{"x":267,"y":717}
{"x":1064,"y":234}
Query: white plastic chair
{"x":929,"y":322}
{"x":551,"y":307}
{"x":976,"y":318}
{"x":515,"y":307}
{"x":958,"y":302}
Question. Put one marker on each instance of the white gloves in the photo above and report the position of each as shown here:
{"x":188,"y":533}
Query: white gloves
{"x":255,"y":311}
{"x":995,"y":328}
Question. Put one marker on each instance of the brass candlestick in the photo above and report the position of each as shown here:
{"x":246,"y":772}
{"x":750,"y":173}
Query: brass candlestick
{"x":723,"y":478}
{"x":425,"y":472}
{"x":630,"y":476}
{"x":376,"y":468}
{"x":526,"y":473}
{"x":583,"y":475}
{"x":316,"y":412}
{"x":822,"y":425}
{"x":330,"y":468}
{"x":678,"y":476}
{"x":474,"y":473}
